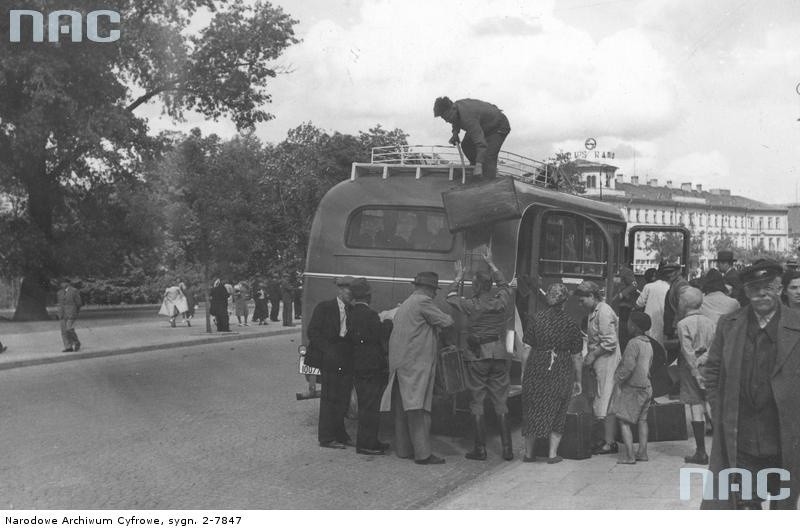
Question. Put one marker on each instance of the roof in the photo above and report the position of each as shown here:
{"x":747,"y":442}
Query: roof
{"x":663,"y":194}
{"x":582,"y":163}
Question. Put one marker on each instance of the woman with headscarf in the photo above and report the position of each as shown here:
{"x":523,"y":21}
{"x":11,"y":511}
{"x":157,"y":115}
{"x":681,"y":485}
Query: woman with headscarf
{"x":791,"y":288}
{"x":716,"y":301}
{"x":552,"y":372}
{"x":219,"y":305}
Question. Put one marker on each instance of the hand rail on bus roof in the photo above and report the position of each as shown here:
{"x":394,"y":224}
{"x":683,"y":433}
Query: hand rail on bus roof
{"x":438,"y":158}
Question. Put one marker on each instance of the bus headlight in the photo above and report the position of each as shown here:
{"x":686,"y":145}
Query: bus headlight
{"x":301,"y":350}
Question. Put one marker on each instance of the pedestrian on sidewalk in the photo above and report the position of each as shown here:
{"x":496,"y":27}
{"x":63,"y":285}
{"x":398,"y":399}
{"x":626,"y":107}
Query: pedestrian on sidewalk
{"x":191,"y":302}
{"x":603,"y":357}
{"x":240,"y":301}
{"x":261,"y":311}
{"x":219,"y":305}
{"x":413,"y":346}
{"x":287,"y":297}
{"x":69,"y":306}
{"x":274,"y":295}
{"x":695,"y":333}
{"x":632,"y":396}
{"x":369,"y":340}
{"x":173,"y":304}
{"x":552,"y":372}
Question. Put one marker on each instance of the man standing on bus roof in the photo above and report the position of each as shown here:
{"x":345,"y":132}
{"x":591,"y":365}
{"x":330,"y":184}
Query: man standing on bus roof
{"x":326,"y":340}
{"x":488,"y":363}
{"x":413,"y":346}
{"x":486,"y":129}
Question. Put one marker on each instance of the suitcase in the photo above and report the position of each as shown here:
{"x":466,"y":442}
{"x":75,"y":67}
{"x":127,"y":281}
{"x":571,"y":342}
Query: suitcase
{"x":666,"y":422}
{"x":576,"y":441}
{"x":481,"y":204}
{"x":450,"y":370}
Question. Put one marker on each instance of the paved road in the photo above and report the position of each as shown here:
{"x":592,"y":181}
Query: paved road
{"x":206,"y":427}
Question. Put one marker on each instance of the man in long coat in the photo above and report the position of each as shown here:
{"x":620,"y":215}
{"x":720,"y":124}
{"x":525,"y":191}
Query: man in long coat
{"x":69,"y":305}
{"x":413,"y":346}
{"x":752,"y":379}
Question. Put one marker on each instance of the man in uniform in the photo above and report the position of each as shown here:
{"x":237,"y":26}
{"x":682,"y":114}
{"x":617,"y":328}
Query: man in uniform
{"x":731,"y":275}
{"x":413,"y":346}
{"x":752,"y":379}
{"x":487,"y":361}
{"x":486,"y":129}
{"x":333,"y":355}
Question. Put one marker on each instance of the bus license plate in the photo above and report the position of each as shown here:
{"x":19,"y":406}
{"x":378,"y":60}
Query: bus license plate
{"x":307,"y":370}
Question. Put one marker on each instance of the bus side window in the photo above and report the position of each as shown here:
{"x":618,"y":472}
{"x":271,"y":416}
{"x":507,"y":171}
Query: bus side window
{"x":399,"y":228}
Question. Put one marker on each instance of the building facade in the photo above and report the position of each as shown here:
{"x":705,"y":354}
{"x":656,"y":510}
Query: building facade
{"x":714,"y":217}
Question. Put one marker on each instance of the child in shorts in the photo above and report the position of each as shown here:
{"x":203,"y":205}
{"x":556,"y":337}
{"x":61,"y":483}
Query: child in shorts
{"x":633,"y":390}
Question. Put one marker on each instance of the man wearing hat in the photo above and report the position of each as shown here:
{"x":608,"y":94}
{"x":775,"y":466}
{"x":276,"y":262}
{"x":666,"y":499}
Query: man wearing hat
{"x":752,"y":379}
{"x":603,"y":356}
{"x":487,"y":361}
{"x":327,"y":343}
{"x":413,"y":346}
{"x":369,"y":340}
{"x":486,"y":129}
{"x":731,"y":275}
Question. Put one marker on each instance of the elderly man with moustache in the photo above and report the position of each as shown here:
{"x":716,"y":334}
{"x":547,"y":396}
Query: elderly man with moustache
{"x":752,"y":379}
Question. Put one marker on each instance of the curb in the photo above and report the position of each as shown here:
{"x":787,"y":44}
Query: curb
{"x":65,"y":357}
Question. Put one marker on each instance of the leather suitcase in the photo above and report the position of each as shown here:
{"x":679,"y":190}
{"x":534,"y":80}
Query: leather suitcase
{"x":450,"y":370}
{"x":481,"y":203}
{"x":576,"y":441}
{"x":666,"y":422}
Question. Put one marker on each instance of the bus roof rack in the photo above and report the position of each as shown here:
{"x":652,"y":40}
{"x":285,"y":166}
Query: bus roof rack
{"x":420,"y":160}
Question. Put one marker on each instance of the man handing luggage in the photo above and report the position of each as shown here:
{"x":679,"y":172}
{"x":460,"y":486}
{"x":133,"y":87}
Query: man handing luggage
{"x":486,"y":129}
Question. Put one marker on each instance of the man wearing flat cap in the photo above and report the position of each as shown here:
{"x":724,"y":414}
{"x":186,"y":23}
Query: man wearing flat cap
{"x":486,"y":129}
{"x":752,"y":379}
{"x":603,"y":356}
{"x":731,"y":275}
{"x":487,"y":362}
{"x":334,"y":354}
{"x":368,"y":338}
{"x":413,"y":346}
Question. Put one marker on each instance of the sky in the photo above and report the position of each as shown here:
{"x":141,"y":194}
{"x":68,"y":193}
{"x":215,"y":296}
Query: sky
{"x":685,"y":90}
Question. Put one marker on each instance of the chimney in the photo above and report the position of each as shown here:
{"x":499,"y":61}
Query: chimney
{"x":669,"y":183}
{"x":635,"y":180}
{"x":699,"y":187}
{"x":686,"y":186}
{"x":652,"y":182}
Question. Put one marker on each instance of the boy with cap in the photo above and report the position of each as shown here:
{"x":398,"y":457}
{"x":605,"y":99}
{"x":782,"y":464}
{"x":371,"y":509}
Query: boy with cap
{"x":486,"y":129}
{"x":369,"y":340}
{"x":695,"y":334}
{"x":634,"y":391}
{"x":603,"y":356}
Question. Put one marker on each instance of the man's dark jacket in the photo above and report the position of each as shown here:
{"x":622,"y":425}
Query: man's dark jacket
{"x":326,"y":350}
{"x":369,"y":339}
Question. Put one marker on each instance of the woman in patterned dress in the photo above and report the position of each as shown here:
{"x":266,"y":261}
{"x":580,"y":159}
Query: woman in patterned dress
{"x":552,"y":372}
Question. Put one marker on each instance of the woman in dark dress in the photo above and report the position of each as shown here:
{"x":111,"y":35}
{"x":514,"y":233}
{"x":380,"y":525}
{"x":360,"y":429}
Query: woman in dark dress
{"x":219,"y":306}
{"x":552,"y":373}
{"x":261,"y":312}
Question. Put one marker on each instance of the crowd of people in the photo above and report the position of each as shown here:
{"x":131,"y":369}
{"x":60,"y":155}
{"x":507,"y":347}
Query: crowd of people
{"x":228,"y":300}
{"x":731,"y":338}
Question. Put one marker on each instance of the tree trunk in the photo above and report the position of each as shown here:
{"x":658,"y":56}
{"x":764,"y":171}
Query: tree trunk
{"x":32,"y":303}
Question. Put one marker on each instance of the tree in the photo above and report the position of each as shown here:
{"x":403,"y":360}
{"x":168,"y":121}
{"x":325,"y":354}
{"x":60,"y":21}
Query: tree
{"x":666,"y":246}
{"x":68,"y":110}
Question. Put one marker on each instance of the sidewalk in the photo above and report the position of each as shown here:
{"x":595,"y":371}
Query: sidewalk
{"x":598,"y":483}
{"x":30,"y":345}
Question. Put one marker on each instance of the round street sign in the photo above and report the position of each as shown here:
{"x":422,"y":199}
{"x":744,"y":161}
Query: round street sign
{"x":590,"y":143}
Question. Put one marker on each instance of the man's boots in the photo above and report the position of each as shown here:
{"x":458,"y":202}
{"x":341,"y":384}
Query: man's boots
{"x":479,"y":451}
{"x":505,"y":437}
